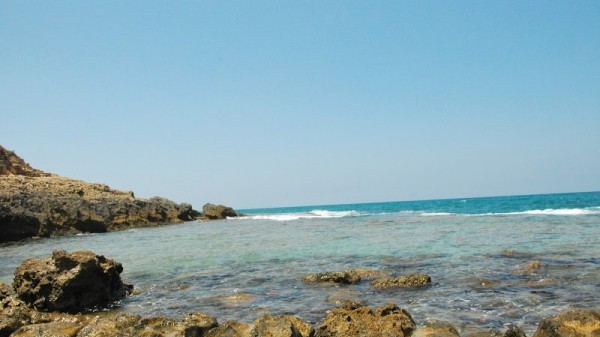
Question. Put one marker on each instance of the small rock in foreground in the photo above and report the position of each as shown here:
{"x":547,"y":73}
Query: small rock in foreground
{"x":572,"y":323}
{"x":353,"y":321}
{"x":70,"y":282}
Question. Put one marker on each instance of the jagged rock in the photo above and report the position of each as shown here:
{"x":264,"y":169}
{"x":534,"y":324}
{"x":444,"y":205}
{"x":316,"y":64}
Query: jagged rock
{"x":337,"y":277}
{"x":514,"y":331}
{"x":198,"y":324}
{"x":14,"y":313}
{"x":55,"y":329}
{"x":410,"y":281}
{"x":572,"y":323}
{"x":230,"y":329}
{"x":388,"y":320}
{"x":216,"y":212}
{"x":34,"y":203}
{"x":437,"y":329}
{"x":70,"y":282}
{"x":281,"y":326}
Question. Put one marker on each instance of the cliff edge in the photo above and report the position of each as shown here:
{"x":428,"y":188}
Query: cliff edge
{"x":35,"y":203}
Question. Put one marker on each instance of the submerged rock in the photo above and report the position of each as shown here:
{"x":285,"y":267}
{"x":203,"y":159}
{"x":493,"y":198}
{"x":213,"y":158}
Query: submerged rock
{"x":70,"y":282}
{"x":437,"y":329}
{"x":216,"y":212}
{"x":335,"y":277}
{"x":388,"y":320}
{"x":572,"y":323}
{"x":410,"y":281}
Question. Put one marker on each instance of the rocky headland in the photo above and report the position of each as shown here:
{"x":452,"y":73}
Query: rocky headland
{"x":34,"y":203}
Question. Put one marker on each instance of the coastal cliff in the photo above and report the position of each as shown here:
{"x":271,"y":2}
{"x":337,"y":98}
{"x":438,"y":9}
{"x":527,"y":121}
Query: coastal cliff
{"x":36,"y":203}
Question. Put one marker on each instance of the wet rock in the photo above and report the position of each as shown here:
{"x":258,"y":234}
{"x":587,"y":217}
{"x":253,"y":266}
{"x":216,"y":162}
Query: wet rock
{"x":198,"y":324}
{"x":437,"y":329}
{"x":410,"y":281}
{"x":70,"y":282}
{"x":388,"y":320}
{"x":230,"y":329}
{"x":55,"y":329}
{"x":281,"y":326}
{"x":529,"y":268}
{"x":572,"y":323}
{"x":336,"y":277}
{"x":216,"y":212}
{"x":112,"y":326}
{"x":514,"y":331}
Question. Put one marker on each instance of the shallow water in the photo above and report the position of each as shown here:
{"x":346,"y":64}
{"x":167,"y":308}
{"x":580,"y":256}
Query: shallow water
{"x":241,"y":268}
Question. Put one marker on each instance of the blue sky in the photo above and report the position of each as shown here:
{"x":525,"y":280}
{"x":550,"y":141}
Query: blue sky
{"x":276,"y":103}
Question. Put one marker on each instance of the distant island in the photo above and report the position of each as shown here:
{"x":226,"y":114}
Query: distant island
{"x":34,"y":203}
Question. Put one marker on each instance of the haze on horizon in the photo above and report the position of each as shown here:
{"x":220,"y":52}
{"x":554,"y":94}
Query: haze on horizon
{"x":264,"y":104}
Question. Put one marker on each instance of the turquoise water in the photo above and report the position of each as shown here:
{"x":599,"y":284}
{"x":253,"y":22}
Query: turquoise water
{"x":474,"y":250}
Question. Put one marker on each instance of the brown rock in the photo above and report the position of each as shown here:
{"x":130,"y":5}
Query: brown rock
{"x":336,"y":277}
{"x":230,"y":329}
{"x":55,"y":329}
{"x":34,"y":203}
{"x":410,"y":281}
{"x":388,"y":320}
{"x":281,"y":326}
{"x":572,"y":323}
{"x":437,"y":329}
{"x":514,"y":331}
{"x":216,"y":212}
{"x":70,"y":282}
{"x":198,"y":324}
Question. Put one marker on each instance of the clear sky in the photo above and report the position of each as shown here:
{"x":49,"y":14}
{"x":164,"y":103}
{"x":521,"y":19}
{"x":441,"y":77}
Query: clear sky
{"x":281,"y":103}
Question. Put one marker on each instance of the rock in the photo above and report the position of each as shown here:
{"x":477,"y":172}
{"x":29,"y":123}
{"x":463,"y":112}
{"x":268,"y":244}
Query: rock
{"x":437,"y":329}
{"x":198,"y":324}
{"x":14,"y":313}
{"x":514,"y":331}
{"x":281,"y":326}
{"x":70,"y":282}
{"x":388,"y":320}
{"x":572,"y":323}
{"x":55,"y":329}
{"x":216,"y":212}
{"x":410,"y":281}
{"x":529,"y":268}
{"x":335,"y":277}
{"x":112,"y":326}
{"x":34,"y":203}
{"x":230,"y":329}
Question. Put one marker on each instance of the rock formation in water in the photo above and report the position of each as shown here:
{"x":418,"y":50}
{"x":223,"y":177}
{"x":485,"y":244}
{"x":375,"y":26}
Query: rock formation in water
{"x":35,"y":203}
{"x":217,"y":212}
{"x":409,"y":281}
{"x":70,"y":282}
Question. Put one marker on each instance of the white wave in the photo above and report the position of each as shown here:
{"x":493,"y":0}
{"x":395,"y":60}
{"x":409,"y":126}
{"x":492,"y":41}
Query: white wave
{"x":436,"y":214}
{"x":567,"y":211}
{"x":314,"y":214}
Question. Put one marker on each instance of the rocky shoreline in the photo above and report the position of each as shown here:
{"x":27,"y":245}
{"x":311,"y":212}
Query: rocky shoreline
{"x":70,"y":295}
{"x":34,"y":203}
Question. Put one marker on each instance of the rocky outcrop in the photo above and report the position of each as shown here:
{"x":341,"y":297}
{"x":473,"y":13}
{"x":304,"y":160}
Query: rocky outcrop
{"x":334,"y":277}
{"x":217,"y":212}
{"x":351,"y":321}
{"x":281,"y":326}
{"x":437,"y":329}
{"x":70,"y":282}
{"x":410,"y":281}
{"x":572,"y":323}
{"x":34,"y":203}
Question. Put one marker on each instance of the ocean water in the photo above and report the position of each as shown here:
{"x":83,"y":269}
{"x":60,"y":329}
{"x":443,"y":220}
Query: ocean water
{"x":475,"y":250}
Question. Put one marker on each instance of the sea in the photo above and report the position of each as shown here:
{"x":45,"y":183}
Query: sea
{"x":494,"y":262}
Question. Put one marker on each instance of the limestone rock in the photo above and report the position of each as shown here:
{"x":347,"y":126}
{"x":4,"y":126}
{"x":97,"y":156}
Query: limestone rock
{"x":70,"y":282}
{"x":410,"y":281}
{"x":388,"y":320}
{"x":281,"y":326}
{"x":55,"y":329}
{"x":335,"y":277}
{"x":34,"y":203}
{"x":437,"y":329}
{"x":230,"y":329}
{"x":572,"y":323}
{"x":216,"y":212}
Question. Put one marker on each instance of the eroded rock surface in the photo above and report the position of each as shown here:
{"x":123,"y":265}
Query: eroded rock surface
{"x":334,"y":277}
{"x":217,"y":212}
{"x":410,"y":281}
{"x":572,"y":323}
{"x":70,"y":282}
